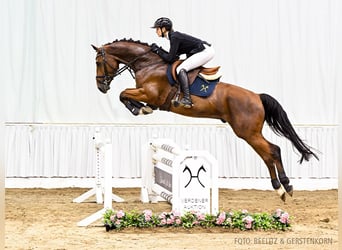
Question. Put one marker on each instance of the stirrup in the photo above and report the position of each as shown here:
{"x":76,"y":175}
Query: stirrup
{"x":186,"y":103}
{"x":175,"y":102}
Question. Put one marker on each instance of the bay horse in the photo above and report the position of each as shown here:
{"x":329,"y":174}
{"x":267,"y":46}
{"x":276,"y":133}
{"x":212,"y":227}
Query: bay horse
{"x":244,"y":110}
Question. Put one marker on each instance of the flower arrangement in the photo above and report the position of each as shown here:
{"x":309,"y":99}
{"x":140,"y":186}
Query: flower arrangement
{"x":243,"y":220}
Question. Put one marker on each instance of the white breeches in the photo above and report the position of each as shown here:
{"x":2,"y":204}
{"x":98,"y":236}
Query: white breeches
{"x":198,"y":59}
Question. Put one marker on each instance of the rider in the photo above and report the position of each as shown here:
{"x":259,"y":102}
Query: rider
{"x":197,"y":52}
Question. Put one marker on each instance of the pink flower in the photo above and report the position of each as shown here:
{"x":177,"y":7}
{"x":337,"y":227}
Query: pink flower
{"x":169,"y":221}
{"x":163,"y":222}
{"x":118,"y":222}
{"x":148,"y":215}
{"x":219,"y":221}
{"x":120,"y":214}
{"x":248,"y":219}
{"x":148,"y":212}
{"x":248,"y":225}
{"x":176,"y":213}
{"x":278,"y":212}
{"x":178,"y":221}
{"x":112,"y":218}
{"x":248,"y":222}
{"x":162,"y":215}
{"x":222,"y":215}
{"x":221,"y":218}
{"x":284,"y":218}
{"x":200,"y":216}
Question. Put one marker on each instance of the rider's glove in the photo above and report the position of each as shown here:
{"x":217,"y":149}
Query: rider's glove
{"x":155,"y":48}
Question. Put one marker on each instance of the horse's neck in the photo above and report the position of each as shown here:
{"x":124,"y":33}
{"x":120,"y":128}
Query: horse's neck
{"x":125,"y":49}
{"x":137,"y":55}
{"x":123,"y":53}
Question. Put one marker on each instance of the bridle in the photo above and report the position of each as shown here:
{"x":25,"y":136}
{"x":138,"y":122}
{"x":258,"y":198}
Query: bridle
{"x":107,"y":78}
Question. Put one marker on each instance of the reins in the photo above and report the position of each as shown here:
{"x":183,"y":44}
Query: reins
{"x":128,"y":66}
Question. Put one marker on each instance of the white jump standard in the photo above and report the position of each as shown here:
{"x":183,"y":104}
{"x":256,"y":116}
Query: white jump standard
{"x":99,"y":189}
{"x":103,"y":151}
{"x":187,"y":179}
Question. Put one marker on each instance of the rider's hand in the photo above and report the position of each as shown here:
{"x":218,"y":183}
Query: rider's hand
{"x":154,"y":48}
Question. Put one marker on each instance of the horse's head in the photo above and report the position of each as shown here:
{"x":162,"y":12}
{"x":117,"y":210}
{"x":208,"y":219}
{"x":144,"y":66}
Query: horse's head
{"x":134,"y":54}
{"x":106,"y":67}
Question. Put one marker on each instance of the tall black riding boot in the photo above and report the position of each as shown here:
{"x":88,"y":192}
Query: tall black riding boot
{"x":184,"y":82}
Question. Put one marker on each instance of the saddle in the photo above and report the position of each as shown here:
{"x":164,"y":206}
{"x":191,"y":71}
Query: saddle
{"x":209,"y":74}
{"x":202,"y":83}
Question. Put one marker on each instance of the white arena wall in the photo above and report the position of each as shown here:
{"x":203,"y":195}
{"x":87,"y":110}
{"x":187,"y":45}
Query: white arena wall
{"x":51,"y":106}
{"x":63,"y":155}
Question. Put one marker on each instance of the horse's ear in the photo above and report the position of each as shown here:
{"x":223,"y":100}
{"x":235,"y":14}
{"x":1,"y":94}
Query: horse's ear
{"x":94,"y":47}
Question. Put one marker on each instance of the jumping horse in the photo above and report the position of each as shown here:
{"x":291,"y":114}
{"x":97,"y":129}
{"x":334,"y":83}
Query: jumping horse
{"x":244,"y":110}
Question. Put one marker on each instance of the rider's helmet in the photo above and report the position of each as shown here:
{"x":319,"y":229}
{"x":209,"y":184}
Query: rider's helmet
{"x":163,"y":22}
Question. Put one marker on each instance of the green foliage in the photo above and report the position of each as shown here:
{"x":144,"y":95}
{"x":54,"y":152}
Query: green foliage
{"x":243,"y":220}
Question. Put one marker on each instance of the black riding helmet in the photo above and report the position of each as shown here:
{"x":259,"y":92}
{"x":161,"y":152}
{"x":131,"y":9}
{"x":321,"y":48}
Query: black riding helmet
{"x":163,"y":22}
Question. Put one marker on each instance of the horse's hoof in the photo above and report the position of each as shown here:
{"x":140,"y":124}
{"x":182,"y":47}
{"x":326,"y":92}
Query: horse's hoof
{"x":282,"y":194}
{"x":146,"y":110}
{"x":289,"y":190}
{"x":283,"y":197}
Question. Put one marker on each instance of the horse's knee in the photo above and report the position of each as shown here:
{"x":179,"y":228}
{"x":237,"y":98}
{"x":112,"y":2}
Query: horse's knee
{"x":122,"y":97}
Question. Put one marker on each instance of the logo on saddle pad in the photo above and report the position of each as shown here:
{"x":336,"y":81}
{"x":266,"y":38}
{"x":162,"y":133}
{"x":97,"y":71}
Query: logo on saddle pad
{"x":202,"y":80}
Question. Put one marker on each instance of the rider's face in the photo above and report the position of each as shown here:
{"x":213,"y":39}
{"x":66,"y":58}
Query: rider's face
{"x":159,"y":32}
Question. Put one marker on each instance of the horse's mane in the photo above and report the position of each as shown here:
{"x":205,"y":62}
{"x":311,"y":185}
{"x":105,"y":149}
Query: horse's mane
{"x":130,"y":40}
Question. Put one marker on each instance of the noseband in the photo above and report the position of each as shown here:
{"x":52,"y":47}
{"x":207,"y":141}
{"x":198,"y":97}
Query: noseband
{"x":107,"y":78}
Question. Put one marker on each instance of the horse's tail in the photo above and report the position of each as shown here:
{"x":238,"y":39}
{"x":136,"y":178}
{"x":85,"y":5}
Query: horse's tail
{"x":277,"y":119}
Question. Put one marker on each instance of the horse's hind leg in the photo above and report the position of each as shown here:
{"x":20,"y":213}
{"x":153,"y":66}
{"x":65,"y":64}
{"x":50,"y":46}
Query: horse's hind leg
{"x":270,"y":154}
{"x":284,"y":180}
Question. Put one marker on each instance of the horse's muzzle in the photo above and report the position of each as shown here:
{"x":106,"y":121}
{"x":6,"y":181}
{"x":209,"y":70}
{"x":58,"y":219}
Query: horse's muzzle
{"x":103,"y":88}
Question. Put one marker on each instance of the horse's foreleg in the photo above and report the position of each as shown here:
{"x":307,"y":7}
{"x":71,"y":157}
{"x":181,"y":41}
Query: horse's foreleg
{"x":130,"y":106}
{"x":132,"y":99}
